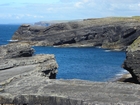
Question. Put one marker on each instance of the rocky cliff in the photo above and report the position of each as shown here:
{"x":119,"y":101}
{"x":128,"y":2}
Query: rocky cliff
{"x":115,"y":34}
{"x":17,"y":59}
{"x":29,"y":79}
{"x":132,"y":62}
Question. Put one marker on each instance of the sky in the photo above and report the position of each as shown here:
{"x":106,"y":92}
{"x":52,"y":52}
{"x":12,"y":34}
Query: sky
{"x":30,"y":11}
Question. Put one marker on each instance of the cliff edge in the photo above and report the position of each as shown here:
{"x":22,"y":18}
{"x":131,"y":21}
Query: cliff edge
{"x":18,"y":59}
{"x":111,"y":33}
{"x":132,"y":62}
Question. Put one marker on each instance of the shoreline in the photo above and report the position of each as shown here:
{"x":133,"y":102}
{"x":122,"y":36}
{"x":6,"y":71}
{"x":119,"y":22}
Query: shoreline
{"x":126,"y":78}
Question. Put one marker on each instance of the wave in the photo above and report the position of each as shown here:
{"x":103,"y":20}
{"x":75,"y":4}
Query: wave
{"x":107,"y":50}
{"x":122,"y":73}
{"x":119,"y":75}
{"x":12,"y":40}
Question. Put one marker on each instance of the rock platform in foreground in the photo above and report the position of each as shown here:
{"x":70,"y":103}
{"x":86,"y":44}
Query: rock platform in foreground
{"x":30,"y":90}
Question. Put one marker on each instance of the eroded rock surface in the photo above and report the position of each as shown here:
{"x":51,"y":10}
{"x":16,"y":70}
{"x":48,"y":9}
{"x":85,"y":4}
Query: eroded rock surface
{"x":16,"y":50}
{"x":32,"y":90}
{"x":24,"y":78}
{"x":132,"y":62}
{"x":112,"y":35}
{"x":18,"y":58}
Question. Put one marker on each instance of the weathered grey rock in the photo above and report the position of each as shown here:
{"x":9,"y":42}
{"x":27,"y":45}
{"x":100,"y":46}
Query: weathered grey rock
{"x":16,"y":50}
{"x":108,"y":35}
{"x":18,"y":58}
{"x":37,"y":90}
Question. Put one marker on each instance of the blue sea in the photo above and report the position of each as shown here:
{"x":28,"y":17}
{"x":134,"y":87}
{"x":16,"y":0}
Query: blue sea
{"x":86,"y":63}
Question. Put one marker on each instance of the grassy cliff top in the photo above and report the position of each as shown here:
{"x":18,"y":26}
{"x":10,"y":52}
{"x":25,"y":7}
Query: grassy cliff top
{"x":135,"y":45}
{"x":108,"y":20}
{"x":94,"y":21}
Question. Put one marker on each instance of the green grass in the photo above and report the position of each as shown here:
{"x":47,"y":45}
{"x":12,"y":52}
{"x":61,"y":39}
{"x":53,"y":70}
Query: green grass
{"x":135,"y":45}
{"x":104,"y":21}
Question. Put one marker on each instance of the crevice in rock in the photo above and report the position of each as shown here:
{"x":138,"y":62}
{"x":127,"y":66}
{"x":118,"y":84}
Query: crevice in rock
{"x":51,"y":75}
{"x":132,"y":31}
{"x":65,"y":42}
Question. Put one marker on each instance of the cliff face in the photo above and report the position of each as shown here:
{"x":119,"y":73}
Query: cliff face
{"x":132,"y":62}
{"x":107,"y":35}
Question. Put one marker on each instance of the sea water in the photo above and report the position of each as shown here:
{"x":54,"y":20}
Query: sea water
{"x":6,"y":32}
{"x":86,"y":63}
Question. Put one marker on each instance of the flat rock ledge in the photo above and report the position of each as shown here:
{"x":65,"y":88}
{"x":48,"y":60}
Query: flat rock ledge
{"x":31,"y":90}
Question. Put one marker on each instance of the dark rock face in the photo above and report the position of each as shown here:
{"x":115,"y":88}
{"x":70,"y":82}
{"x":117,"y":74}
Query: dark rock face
{"x":113,"y":36}
{"x":132,"y":62}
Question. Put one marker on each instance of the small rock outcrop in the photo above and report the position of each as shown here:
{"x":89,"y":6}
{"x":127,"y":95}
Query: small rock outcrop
{"x":132,"y":62}
{"x":16,"y":50}
{"x":111,"y":35}
{"x":19,"y":58}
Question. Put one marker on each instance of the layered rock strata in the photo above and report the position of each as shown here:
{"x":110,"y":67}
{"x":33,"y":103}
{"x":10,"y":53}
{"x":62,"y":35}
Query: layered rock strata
{"x":116,"y":35}
{"x":25,"y":80}
{"x":17,"y":59}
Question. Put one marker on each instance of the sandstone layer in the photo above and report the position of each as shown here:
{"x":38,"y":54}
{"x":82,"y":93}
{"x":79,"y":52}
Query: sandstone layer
{"x":107,"y":34}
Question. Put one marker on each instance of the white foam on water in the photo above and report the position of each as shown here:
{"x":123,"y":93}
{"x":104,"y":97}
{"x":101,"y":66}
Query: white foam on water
{"x":107,"y":50}
{"x":122,"y":73}
{"x":119,"y":75}
{"x":12,"y":40}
